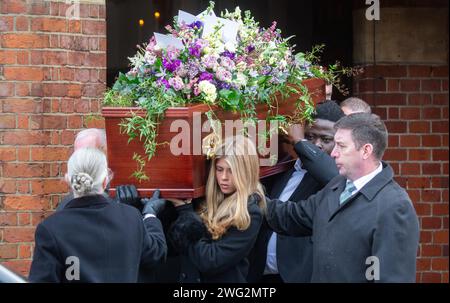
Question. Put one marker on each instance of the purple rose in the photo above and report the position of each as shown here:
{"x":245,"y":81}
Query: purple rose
{"x":171,"y":65}
{"x":229,"y":54}
{"x":250,"y":48}
{"x":196,"y":24}
{"x":195,"y":50}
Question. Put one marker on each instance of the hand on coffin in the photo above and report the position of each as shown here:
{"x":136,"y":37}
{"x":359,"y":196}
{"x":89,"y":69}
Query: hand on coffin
{"x":154,"y":205}
{"x":128,"y":194}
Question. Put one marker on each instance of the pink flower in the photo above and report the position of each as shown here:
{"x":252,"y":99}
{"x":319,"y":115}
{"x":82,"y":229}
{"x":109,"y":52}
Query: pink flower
{"x":176,"y":83}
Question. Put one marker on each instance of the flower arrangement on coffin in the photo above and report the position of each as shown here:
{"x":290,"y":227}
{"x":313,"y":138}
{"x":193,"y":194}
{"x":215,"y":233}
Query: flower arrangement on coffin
{"x":229,"y":63}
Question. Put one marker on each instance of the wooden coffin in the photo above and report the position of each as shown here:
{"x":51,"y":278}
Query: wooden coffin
{"x":182,"y":176}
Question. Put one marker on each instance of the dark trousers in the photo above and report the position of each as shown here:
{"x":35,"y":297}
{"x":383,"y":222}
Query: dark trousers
{"x":271,"y":279}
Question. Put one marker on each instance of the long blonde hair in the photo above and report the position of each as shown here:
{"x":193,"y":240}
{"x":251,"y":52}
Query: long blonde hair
{"x":219,"y":212}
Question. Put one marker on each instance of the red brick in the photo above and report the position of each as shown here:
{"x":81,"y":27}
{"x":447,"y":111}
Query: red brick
{"x":7,"y":186}
{"x":410,"y":113}
{"x":423,"y":264}
{"x":422,"y":209}
{"x":419,"y":99}
{"x":8,"y":251}
{"x":410,"y":85}
{"x":28,"y":41}
{"x":370,"y":85}
{"x":426,"y":237}
{"x":93,"y":27}
{"x":23,"y":58}
{"x":81,"y":106}
{"x":431,"y":196}
{"x":431,"y":141}
{"x":393,"y":141}
{"x":7,"y":121}
{"x":393,"y":85}
{"x":24,"y":137}
{"x":440,"y":127}
{"x":410,"y":169}
{"x":102,"y":44}
{"x":36,"y":90}
{"x":6,"y":89}
{"x":81,"y":75}
{"x":76,"y":58}
{"x":67,"y":137}
{"x":22,"y":23}
{"x":76,"y":43}
{"x":18,"y":234}
{"x":94,"y":123}
{"x":431,"y":168}
{"x":49,"y":25}
{"x":419,"y":71}
{"x":439,"y":182}
{"x":50,"y":153}
{"x":8,"y":219}
{"x":54,"y":122}
{"x":74,"y":26}
{"x":390,"y":71}
{"x":431,"y":223}
{"x":440,"y":155}
{"x":395,"y":154}
{"x":24,"y":219}
{"x":381,"y":111}
{"x":441,"y":236}
{"x":445,"y":85}
{"x":431,"y":113}
{"x":419,"y":127}
{"x":418,"y":182}
{"x":96,"y":60}
{"x":445,"y":191}
{"x":23,"y":73}
{"x":25,"y":170}
{"x":23,"y":121}
{"x":48,"y":186}
{"x":75,"y":122}
{"x":395,"y":127}
{"x":74,"y":91}
{"x":431,"y":250}
{"x":440,"y":71}
{"x":440,"y":209}
{"x":14,"y":6}
{"x":6,"y":24}
{"x":419,"y":155}
{"x":23,"y":153}
{"x":430,"y":277}
{"x":440,"y":263}
{"x":431,"y":85}
{"x":39,"y":8}
{"x":93,"y":10}
{"x":7,"y":57}
{"x":440,"y":99}
{"x":409,"y":141}
{"x":24,"y":251}
{"x":414,"y":195}
{"x":7,"y":153}
{"x":444,"y":278}
{"x":21,"y":106}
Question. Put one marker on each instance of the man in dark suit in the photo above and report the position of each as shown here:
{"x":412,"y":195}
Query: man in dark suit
{"x":363,"y":224}
{"x":281,"y":258}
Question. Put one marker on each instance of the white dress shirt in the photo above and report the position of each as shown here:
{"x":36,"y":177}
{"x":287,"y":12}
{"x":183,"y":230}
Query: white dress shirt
{"x":291,"y":186}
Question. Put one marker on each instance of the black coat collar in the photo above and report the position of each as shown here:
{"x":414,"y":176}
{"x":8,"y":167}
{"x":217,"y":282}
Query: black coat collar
{"x":88,"y":201}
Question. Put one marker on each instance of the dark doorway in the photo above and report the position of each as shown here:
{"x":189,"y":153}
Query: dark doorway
{"x":311,"y":22}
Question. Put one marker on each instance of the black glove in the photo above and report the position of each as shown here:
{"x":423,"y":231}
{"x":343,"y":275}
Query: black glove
{"x":154,"y":205}
{"x":127,"y":194}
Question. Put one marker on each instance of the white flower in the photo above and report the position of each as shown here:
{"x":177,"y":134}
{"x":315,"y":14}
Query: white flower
{"x":209,"y":90}
{"x":241,"y":79}
{"x":241,"y":66}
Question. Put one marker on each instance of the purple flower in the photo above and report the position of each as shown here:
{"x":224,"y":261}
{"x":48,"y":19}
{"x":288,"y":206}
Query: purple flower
{"x":224,"y":85}
{"x":229,"y":54}
{"x":250,"y":48}
{"x":205,"y":76}
{"x":164,"y":82}
{"x":195,"y":50}
{"x":196,"y":24}
{"x":171,"y":65}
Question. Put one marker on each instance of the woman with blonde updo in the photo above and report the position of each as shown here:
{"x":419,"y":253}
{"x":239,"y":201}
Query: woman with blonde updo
{"x":214,"y":242}
{"x":93,"y":239}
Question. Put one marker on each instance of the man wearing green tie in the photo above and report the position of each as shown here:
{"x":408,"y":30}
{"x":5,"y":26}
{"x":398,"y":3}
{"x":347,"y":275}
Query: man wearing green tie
{"x":363,"y":225}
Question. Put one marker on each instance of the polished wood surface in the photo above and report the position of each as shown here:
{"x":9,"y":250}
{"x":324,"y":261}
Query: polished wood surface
{"x":183,"y":176}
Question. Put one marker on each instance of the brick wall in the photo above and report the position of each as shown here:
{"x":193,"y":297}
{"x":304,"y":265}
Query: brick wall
{"x":52,"y":73}
{"x":413,"y":100}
